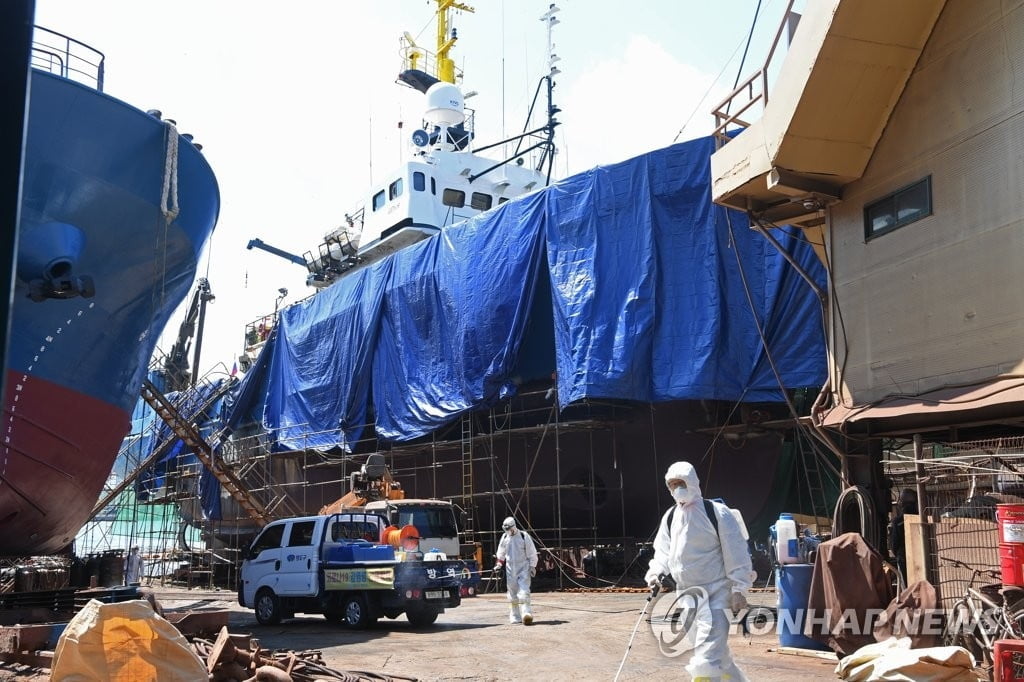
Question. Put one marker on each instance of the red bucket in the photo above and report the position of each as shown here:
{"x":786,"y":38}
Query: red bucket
{"x":1010,"y":518}
{"x":1011,"y":563}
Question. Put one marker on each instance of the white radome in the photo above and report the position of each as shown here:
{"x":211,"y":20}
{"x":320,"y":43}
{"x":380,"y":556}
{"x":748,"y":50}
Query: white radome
{"x":444,"y":105}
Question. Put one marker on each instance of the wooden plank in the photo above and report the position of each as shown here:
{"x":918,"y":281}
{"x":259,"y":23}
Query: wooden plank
{"x":39,"y":659}
{"x":917,"y":548}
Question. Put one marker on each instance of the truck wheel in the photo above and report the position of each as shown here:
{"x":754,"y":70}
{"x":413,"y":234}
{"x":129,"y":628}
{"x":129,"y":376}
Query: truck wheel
{"x":268,"y":607}
{"x":355,"y":613}
{"x":421,"y":618}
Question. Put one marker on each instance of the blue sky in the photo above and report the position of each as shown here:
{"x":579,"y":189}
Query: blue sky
{"x":297,"y":107}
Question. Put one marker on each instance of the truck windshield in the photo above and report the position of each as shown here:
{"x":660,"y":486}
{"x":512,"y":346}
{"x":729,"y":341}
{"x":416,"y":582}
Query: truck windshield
{"x":430,"y":522}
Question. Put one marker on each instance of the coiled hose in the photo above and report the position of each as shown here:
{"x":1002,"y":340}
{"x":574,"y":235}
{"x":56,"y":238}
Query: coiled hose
{"x":855,"y":513}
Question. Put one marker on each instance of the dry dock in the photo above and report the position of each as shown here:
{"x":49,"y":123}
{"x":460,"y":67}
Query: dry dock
{"x":577,"y":636}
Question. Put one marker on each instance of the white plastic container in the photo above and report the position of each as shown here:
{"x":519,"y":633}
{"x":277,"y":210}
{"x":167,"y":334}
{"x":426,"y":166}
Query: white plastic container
{"x":743,"y":525}
{"x":787,"y":544}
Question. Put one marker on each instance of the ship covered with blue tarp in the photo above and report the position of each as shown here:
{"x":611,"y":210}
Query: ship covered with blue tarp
{"x":625,"y":281}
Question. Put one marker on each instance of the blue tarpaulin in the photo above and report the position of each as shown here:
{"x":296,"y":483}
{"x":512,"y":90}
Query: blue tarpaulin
{"x":455,"y":309}
{"x":320,"y":364}
{"x":649,"y":302}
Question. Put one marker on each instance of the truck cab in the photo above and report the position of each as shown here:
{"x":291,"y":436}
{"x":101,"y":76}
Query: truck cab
{"x":434,"y":519}
{"x":336,"y":565}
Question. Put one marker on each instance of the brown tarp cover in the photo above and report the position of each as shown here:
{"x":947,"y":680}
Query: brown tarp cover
{"x":848,"y":579}
{"x":907,"y":616}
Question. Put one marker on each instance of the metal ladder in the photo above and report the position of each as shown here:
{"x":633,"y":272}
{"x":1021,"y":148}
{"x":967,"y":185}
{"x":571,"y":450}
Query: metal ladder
{"x":469,"y":532}
{"x":158,"y":453}
{"x":812,"y":472}
{"x":189,"y":435}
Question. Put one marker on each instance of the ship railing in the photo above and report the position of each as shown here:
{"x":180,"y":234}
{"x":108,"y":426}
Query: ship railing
{"x":416,"y":57}
{"x":751,"y":91}
{"x":64,"y":56}
{"x":258,"y":331}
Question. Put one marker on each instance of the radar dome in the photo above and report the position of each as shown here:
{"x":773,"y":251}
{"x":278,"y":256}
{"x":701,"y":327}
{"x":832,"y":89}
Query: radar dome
{"x":444,"y":105}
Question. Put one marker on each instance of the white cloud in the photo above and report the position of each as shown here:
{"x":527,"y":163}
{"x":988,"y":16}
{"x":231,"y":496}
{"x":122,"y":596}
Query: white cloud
{"x":622,"y":107}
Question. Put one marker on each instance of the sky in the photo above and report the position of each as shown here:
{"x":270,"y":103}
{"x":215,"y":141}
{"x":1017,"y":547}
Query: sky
{"x":297,"y":107}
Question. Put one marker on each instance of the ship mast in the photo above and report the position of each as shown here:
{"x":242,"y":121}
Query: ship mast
{"x":445,"y":65}
{"x":442,"y":67}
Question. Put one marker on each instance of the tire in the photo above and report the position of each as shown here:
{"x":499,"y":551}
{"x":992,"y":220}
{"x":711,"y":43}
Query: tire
{"x":968,"y":640}
{"x":355,"y":613}
{"x":421,"y":617}
{"x":267,"y":607}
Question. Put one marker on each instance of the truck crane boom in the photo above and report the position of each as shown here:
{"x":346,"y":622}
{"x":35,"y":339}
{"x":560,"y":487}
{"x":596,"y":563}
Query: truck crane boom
{"x":260,"y":244}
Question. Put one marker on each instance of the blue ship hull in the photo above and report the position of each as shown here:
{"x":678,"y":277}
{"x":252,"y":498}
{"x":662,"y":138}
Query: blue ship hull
{"x":96,"y":171}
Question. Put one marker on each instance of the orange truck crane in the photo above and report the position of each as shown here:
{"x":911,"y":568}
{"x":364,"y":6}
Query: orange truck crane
{"x":372,"y":488}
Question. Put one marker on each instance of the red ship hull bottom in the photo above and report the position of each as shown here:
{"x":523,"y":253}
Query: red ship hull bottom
{"x":56,"y":453}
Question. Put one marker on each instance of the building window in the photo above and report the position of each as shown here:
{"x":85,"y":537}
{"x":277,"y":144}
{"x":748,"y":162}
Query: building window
{"x":480,"y":201}
{"x":419,"y":181}
{"x":378,"y":200}
{"x":454,"y":197}
{"x":395,"y":189}
{"x":902,"y":207}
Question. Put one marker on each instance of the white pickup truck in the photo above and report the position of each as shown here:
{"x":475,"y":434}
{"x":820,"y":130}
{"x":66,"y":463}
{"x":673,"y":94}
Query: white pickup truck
{"x":336,"y":565}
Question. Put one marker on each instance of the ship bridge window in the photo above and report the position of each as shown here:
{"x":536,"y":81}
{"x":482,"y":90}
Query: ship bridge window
{"x":904,"y":206}
{"x":433,"y":187}
{"x":481,"y":201}
{"x":453,"y":197}
{"x":419,"y":181}
{"x":378,"y":200}
{"x":502,"y":200}
{"x":395,"y":189}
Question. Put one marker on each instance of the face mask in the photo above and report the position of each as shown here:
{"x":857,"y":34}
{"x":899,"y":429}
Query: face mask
{"x":682,"y":494}
{"x":510,"y":531}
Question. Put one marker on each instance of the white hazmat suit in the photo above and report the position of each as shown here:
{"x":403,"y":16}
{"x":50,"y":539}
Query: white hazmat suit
{"x":133,"y":566}
{"x":695,"y":555}
{"x":519,"y":556}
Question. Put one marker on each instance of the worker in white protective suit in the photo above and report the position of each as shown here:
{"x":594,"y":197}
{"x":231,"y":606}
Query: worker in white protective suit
{"x":690,"y":549}
{"x":517,"y":553}
{"x":133,"y":567}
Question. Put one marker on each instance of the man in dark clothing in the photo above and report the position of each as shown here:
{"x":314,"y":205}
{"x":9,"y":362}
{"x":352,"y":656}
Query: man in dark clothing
{"x":897,"y":537}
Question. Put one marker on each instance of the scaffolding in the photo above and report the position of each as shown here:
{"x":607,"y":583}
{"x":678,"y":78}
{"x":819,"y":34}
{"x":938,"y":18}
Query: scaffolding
{"x":585,"y":480}
{"x":154,"y":519}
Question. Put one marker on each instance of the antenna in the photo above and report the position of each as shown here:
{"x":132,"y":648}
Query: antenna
{"x":548,"y":150}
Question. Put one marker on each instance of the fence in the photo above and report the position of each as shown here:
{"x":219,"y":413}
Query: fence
{"x":962,"y":483}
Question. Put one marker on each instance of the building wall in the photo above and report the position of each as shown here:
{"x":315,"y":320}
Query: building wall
{"x":940,"y":301}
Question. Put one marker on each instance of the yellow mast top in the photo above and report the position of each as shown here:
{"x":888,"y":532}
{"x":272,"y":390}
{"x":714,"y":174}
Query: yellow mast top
{"x":444,"y":66}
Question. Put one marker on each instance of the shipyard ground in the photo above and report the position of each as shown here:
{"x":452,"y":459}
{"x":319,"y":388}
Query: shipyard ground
{"x":576,"y":636}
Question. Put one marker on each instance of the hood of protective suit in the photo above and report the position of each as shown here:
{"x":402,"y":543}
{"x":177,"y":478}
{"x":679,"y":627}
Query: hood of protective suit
{"x":685,"y":472}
